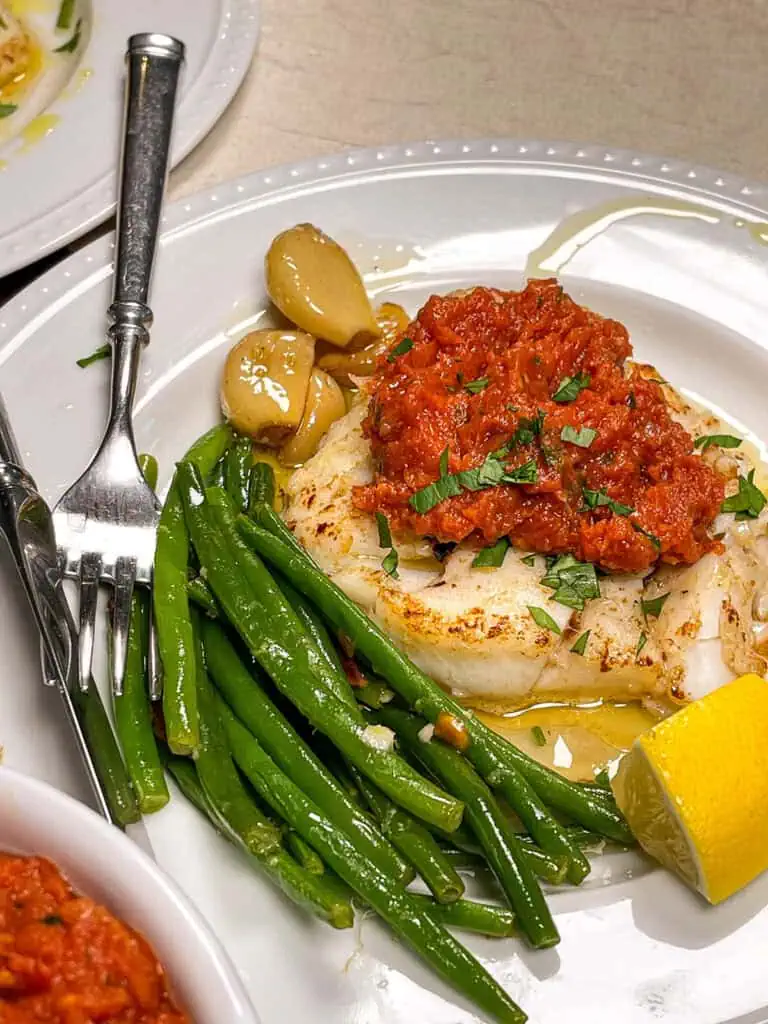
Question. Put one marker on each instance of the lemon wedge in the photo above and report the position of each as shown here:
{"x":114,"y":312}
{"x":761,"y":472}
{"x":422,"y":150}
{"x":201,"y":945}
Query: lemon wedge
{"x":694,"y":789}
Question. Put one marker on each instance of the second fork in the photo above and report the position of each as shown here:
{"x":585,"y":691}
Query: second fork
{"x":106,"y":523}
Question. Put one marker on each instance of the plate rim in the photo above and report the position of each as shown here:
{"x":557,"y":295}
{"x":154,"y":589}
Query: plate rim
{"x":743,"y":195}
{"x":222,"y":72}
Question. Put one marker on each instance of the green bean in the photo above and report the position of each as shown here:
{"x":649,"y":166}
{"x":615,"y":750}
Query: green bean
{"x":416,"y":688}
{"x":257,"y":609}
{"x":182,"y":770}
{"x":236,"y":812}
{"x":217,"y":476}
{"x":252,"y":706}
{"x":264,"y":515}
{"x":315,"y":628}
{"x":200,"y":594}
{"x":413,"y":841}
{"x":171,"y":605}
{"x":237,"y":467}
{"x":418,"y":929}
{"x":374,"y":694}
{"x":304,"y":853}
{"x":487,"y":821}
{"x":106,"y":756}
{"x":468,"y":916}
{"x":546,"y":866}
{"x":133,"y":718}
{"x":261,"y":486}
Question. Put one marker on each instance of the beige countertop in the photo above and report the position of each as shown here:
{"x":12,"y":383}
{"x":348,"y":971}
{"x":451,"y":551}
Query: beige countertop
{"x":679,"y":78}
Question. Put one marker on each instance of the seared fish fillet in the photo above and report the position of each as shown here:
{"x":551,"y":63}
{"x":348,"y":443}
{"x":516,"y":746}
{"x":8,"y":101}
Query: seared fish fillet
{"x":471,"y":629}
{"x":15,"y":50}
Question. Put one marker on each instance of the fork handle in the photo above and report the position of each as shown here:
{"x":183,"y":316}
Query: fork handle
{"x":153,"y":65}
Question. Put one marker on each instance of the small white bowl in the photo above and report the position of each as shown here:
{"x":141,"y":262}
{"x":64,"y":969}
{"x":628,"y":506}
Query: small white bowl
{"x":105,"y":865}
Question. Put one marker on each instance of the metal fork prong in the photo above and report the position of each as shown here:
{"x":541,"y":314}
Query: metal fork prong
{"x":154,"y":666}
{"x":90,"y":570}
{"x":125,"y":578}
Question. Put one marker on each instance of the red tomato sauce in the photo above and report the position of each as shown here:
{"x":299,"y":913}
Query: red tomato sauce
{"x":515,"y":350}
{"x":66,"y":960}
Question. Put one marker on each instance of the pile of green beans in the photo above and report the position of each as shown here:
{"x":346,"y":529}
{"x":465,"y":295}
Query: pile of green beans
{"x":333,"y":785}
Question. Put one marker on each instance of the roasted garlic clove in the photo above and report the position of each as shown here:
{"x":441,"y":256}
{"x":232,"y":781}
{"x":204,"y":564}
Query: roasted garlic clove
{"x":264,"y":389}
{"x":345,"y":366}
{"x":313,"y":282}
{"x":325,"y":404}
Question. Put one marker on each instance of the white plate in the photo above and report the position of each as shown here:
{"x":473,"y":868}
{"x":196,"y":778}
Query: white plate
{"x":58,"y":152}
{"x":102,"y":863}
{"x":691,"y":286}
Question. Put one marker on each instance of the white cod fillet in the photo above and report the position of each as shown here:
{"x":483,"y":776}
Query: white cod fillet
{"x":471,"y":630}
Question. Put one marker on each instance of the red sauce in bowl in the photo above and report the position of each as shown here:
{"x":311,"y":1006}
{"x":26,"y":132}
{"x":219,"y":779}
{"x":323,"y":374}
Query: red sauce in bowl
{"x":485,"y":370}
{"x":67,"y":960}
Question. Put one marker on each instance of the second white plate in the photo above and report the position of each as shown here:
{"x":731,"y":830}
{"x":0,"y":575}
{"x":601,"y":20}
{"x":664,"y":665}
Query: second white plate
{"x":57,"y":171}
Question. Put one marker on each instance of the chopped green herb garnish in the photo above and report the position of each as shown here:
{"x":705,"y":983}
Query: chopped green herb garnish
{"x":528,"y":473}
{"x":573,"y":582}
{"x":583,"y":437}
{"x":385,"y":534}
{"x":647,"y":533}
{"x":641,"y":642}
{"x":390,"y":563}
{"x":721,"y":440}
{"x":476,"y":386}
{"x":104,"y":352}
{"x":492,"y":556}
{"x":512,"y":408}
{"x":444,"y":456}
{"x":602,"y":778}
{"x":400,"y":349}
{"x":529,"y":560}
{"x":748,"y":502}
{"x":6,"y":109}
{"x":3,"y":23}
{"x":571,"y":387}
{"x":51,"y":919}
{"x":490,"y":473}
{"x":74,"y":42}
{"x":581,"y":644}
{"x":544,"y":619}
{"x":425,"y":499}
{"x":598,"y":499}
{"x":538,"y":736}
{"x":654,"y":606}
{"x":66,"y":10}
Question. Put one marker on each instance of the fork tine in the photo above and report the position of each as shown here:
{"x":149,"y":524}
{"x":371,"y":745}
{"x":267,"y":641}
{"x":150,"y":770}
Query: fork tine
{"x":90,"y":570}
{"x":154,"y":666}
{"x":125,"y":578}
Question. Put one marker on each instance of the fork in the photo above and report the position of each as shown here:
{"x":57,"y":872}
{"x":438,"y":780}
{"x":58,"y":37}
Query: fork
{"x":106,"y":523}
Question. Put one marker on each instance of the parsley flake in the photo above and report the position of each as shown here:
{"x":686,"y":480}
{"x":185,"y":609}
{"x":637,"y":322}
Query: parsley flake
{"x":538,"y":736}
{"x":529,"y":560}
{"x":492,"y":556}
{"x":583,"y":437}
{"x":641,"y":642}
{"x":544,"y":619}
{"x":6,"y":109}
{"x":654,"y":606}
{"x":721,"y":440}
{"x":390,"y":563}
{"x":391,"y":559}
{"x":581,"y":644}
{"x":104,"y":352}
{"x":573,"y":582}
{"x":400,"y":349}
{"x":571,"y":387}
{"x":647,"y":533}
{"x":474,"y":387}
{"x":598,"y":499}
{"x":748,"y":502}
